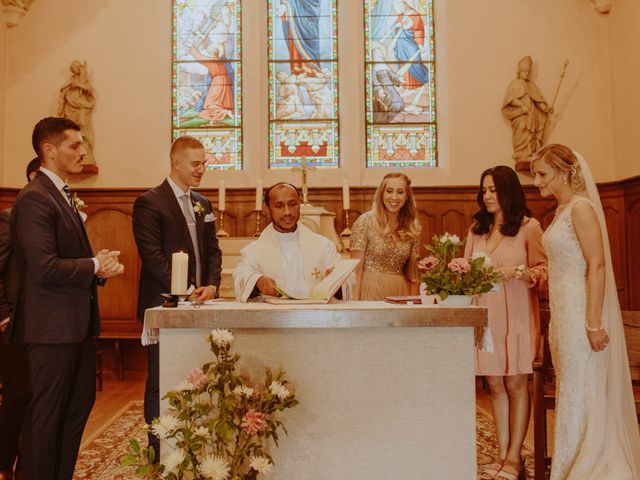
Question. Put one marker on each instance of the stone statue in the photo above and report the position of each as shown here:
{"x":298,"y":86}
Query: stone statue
{"x":527,"y":110}
{"x":76,"y":102}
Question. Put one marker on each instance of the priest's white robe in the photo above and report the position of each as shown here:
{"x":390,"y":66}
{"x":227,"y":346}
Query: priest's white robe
{"x":297,"y":261}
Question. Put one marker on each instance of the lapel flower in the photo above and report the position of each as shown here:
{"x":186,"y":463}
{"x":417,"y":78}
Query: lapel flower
{"x":198,"y":208}
{"x":78,"y":202}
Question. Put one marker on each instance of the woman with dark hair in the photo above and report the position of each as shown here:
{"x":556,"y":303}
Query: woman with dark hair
{"x":505,"y":232}
{"x":387,"y":239}
{"x":596,"y":434}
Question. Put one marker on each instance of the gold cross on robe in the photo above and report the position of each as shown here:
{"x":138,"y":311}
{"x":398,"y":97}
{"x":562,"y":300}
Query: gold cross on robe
{"x":316,"y":274}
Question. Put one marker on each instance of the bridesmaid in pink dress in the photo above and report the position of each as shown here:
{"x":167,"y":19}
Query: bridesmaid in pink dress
{"x":505,"y":230}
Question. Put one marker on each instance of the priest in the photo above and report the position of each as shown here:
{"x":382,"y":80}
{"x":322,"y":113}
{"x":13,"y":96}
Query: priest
{"x":286,"y":254}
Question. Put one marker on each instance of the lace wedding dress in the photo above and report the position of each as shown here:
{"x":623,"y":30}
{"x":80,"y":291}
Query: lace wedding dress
{"x":596,"y":434}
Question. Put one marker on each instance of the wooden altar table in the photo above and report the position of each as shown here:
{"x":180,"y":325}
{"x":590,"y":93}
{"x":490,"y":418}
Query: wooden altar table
{"x":386,"y":391}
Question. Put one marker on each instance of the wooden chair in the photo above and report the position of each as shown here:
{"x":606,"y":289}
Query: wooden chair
{"x":544,"y":385}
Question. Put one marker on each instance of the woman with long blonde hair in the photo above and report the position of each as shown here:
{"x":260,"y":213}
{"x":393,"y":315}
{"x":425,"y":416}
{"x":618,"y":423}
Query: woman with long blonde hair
{"x":596,"y":433}
{"x":387,"y":239}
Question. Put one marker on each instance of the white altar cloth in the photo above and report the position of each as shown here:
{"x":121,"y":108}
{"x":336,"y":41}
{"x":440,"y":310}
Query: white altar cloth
{"x":386,"y":391}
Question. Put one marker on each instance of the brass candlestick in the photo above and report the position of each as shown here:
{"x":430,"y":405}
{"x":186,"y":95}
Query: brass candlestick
{"x":347,"y":231}
{"x":221,"y":231}
{"x":257,"y":232}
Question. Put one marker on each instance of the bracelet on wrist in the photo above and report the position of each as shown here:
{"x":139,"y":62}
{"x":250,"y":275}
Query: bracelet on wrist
{"x":591,"y":329}
{"x":520,"y":271}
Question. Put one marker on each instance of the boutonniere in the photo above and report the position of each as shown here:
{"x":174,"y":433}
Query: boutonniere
{"x":78,"y":203}
{"x":198,"y":208}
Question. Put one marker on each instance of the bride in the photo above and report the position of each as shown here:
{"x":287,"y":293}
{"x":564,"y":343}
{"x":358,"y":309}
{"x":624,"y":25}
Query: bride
{"x":596,"y":432}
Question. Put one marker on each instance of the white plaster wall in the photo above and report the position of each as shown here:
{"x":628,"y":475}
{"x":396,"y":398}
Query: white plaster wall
{"x":3,"y":72}
{"x":128,"y":49}
{"x":625,"y":79}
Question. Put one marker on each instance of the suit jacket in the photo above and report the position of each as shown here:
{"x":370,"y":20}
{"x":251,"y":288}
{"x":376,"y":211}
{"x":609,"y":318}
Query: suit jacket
{"x":160,"y":230}
{"x":8,"y":272}
{"x":57,"y":299}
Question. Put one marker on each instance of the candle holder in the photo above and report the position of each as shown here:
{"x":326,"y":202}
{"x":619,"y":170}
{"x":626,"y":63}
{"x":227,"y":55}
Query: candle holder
{"x":347,"y":231}
{"x":172,"y":299}
{"x":221,"y":231}
{"x":258,"y":219}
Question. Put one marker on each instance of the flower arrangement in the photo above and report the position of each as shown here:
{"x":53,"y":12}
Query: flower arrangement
{"x":218,"y":422}
{"x":78,"y":203}
{"x":444,"y":272}
{"x":198,"y":208}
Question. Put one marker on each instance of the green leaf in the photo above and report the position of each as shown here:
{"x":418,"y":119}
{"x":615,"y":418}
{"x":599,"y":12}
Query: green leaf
{"x":134,"y":445}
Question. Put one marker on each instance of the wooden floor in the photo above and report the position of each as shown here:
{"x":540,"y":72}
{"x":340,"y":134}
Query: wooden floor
{"x":116,"y":394}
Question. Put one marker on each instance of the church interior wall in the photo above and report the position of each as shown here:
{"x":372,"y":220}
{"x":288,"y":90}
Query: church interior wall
{"x":3,"y":73}
{"x":625,"y":78}
{"x":127,"y":46}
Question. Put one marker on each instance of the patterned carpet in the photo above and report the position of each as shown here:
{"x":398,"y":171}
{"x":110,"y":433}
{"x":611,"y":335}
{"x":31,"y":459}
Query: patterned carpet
{"x":99,"y":454}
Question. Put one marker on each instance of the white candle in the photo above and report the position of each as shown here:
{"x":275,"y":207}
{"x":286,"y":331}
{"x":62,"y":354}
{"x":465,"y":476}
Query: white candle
{"x":259,"y":195}
{"x":345,"y":194}
{"x":221,"y":194}
{"x":179,"y":273}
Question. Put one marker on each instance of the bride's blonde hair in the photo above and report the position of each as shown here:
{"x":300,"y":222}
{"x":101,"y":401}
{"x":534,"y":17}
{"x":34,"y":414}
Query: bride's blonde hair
{"x":408,"y":223}
{"x":564,"y":161}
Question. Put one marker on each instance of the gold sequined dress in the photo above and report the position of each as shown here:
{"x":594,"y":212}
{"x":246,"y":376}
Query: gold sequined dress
{"x":386,"y":260}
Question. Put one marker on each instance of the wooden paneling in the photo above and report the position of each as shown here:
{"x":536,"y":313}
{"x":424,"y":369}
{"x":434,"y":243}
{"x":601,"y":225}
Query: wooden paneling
{"x":440,"y":209}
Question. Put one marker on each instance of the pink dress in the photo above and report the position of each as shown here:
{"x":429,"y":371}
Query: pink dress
{"x":513,"y":311}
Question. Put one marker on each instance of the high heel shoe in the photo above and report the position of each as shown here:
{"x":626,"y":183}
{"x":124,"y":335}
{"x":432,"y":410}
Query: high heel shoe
{"x":490,"y":470}
{"x":516,"y":471}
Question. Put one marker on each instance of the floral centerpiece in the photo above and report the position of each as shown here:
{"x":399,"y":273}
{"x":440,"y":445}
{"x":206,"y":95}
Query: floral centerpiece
{"x":444,"y":272}
{"x":218,"y":422}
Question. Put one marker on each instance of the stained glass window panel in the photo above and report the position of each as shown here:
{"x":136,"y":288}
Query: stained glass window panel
{"x":400,"y":93}
{"x":303,"y":83}
{"x":207,"y":78}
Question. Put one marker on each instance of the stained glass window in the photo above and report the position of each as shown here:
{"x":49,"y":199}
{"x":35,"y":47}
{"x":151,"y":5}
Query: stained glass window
{"x":207,"y":78}
{"x":400,"y":83}
{"x":303,"y":83}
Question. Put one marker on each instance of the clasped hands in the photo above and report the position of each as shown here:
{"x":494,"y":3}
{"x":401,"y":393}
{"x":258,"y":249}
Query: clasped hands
{"x":108,"y":264}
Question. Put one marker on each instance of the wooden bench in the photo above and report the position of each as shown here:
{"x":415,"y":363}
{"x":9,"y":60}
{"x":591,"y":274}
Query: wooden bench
{"x":544,"y":385}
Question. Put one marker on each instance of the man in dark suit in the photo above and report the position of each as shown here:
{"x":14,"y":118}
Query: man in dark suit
{"x":13,"y":363}
{"x":56,"y":313}
{"x":168,"y":219}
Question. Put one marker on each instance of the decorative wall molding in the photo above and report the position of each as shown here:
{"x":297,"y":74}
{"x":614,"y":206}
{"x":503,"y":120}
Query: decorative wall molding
{"x":603,"y":6}
{"x":14,"y":10}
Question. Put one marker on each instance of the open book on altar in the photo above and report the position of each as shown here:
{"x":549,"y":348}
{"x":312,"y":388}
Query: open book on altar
{"x":324,"y":291}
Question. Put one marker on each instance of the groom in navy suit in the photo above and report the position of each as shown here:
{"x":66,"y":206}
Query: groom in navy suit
{"x":56,"y":312}
{"x":167,"y":219}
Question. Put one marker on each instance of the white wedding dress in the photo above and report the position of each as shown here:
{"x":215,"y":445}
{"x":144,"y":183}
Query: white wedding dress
{"x":596,"y":434}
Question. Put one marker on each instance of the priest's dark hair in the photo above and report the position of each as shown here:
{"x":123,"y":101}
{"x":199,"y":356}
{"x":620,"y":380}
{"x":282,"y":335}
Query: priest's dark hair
{"x":51,"y":130}
{"x":510,"y":197}
{"x":279,"y":184}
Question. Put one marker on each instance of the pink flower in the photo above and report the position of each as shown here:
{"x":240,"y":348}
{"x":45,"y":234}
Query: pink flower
{"x":253,"y":422}
{"x":459,"y":265}
{"x":197,"y":378}
{"x":427,"y":263}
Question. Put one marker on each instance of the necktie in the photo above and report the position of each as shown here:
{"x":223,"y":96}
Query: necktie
{"x":67,"y":191}
{"x":187,"y":210}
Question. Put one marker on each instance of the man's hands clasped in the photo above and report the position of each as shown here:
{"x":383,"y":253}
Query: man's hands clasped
{"x":108,"y":264}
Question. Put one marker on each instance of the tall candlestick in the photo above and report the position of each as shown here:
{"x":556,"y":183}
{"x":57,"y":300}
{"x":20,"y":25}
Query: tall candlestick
{"x":346,"y":203}
{"x":179,"y":273}
{"x":221,"y":196}
{"x":259,"y":196}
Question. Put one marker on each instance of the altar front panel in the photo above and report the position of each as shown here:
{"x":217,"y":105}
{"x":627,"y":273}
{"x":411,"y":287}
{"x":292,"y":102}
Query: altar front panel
{"x":375,"y":403}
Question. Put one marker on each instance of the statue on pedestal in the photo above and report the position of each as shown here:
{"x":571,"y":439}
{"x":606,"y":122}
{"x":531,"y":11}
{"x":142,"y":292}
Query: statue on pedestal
{"x":76,"y":102}
{"x":528,"y":111}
